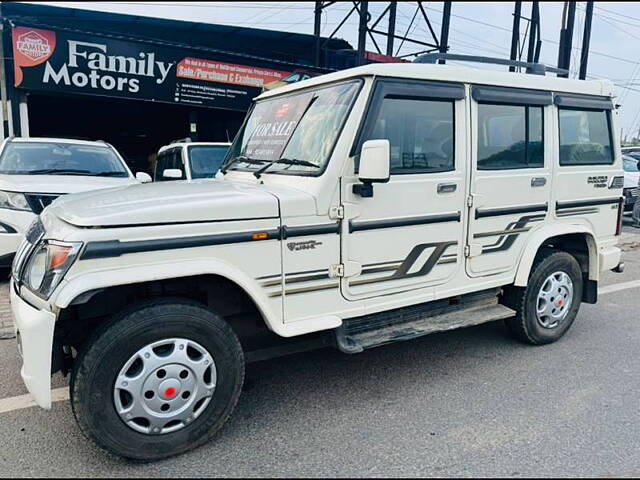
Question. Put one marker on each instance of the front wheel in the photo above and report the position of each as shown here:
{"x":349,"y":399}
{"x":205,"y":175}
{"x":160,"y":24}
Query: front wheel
{"x":548,"y":305}
{"x":158,"y":380}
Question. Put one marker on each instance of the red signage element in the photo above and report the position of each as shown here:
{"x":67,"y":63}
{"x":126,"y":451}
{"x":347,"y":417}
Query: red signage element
{"x":220,"y":72}
{"x":378,"y":57}
{"x":31,"y":46}
{"x":282,"y":110}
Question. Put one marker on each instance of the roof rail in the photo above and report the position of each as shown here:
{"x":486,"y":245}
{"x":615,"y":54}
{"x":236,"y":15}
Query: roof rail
{"x":534,"y":68}
{"x":182,"y":140}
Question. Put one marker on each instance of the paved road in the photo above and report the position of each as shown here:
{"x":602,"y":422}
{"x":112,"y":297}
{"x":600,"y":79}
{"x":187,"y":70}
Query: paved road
{"x":466,"y":403}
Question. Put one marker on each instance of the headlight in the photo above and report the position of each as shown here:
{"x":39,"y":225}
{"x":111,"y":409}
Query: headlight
{"x":48,"y":264}
{"x":14,"y":201}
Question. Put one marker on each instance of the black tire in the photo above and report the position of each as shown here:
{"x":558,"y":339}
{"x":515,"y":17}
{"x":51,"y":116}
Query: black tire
{"x":110,"y":346}
{"x":525,"y":325}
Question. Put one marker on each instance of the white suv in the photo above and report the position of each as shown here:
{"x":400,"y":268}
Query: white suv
{"x":355,"y":209}
{"x":186,"y":160}
{"x":36,"y":171}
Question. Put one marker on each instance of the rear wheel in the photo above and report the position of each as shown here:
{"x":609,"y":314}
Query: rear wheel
{"x":158,"y":380}
{"x":548,"y":305}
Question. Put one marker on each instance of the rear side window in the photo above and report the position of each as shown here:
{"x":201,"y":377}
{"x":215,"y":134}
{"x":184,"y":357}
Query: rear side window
{"x":585,"y":137}
{"x":420,"y":133}
{"x":510,"y":137}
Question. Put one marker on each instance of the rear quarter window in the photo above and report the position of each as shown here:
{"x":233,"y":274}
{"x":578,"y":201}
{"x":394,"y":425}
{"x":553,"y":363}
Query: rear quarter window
{"x":585,"y":137}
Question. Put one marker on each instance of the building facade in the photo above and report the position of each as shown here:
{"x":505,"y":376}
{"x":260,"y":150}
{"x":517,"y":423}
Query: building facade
{"x":140,"y":82}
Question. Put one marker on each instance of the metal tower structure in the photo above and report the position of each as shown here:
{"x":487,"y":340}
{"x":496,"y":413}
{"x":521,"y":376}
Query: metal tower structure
{"x":369,"y":28}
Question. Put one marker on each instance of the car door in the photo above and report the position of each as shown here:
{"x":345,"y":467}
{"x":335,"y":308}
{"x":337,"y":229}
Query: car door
{"x":589,"y":163}
{"x":169,"y":159}
{"x":510,"y":177}
{"x":408,"y":235}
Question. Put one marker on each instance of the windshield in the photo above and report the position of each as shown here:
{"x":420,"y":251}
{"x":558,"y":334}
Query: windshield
{"x":630,"y":164}
{"x":205,"y":160}
{"x":60,"y":159}
{"x":301,"y":126}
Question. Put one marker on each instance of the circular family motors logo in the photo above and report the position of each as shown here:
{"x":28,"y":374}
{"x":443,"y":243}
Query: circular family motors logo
{"x":33,"y":45}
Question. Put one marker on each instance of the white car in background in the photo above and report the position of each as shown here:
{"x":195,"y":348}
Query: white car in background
{"x":186,"y":160}
{"x":631,"y":163}
{"x":36,"y":171}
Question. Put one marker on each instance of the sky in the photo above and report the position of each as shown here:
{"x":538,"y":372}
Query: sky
{"x":480,"y":28}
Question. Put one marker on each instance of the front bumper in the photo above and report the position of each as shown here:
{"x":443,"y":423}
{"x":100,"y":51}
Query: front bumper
{"x":34,"y":330}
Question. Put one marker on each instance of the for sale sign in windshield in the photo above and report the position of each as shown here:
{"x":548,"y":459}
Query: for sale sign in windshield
{"x":80,"y":63}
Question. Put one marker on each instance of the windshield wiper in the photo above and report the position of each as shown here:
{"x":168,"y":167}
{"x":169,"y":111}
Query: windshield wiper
{"x":241,"y":158}
{"x":286,"y":161}
{"x":108,"y":174}
{"x":57,"y":171}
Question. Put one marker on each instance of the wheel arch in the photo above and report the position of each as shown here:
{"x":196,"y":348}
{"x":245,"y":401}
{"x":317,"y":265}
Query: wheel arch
{"x":85,"y":283}
{"x":575,"y":239}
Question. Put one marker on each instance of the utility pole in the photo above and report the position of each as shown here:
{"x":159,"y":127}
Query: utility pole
{"x":317,"y":23}
{"x":565,"y":46}
{"x":586,"y":38}
{"x":515,"y":33}
{"x":392,"y":27}
{"x":444,"y":30}
{"x":534,"y":27}
{"x":362,"y":31}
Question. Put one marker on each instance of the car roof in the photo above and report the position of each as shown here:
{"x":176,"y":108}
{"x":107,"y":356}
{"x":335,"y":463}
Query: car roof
{"x":450,"y":73}
{"x":194,"y":144}
{"x":70,"y":141}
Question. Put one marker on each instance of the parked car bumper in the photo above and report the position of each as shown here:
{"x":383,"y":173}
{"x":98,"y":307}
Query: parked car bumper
{"x":630,"y":197}
{"x":13,"y":225}
{"x":34,"y":332}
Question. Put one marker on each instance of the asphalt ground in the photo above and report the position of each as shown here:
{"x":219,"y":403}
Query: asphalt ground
{"x":472,"y":402}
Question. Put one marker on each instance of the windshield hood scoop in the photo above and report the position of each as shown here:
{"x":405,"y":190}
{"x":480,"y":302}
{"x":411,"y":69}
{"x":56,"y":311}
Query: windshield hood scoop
{"x":166,"y":203}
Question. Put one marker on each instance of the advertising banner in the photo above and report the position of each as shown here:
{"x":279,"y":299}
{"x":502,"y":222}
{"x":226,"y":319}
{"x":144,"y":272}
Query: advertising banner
{"x":68,"y":62}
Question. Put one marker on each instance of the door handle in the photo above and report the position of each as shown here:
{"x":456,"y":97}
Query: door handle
{"x":538,"y":182}
{"x":447,"y":187}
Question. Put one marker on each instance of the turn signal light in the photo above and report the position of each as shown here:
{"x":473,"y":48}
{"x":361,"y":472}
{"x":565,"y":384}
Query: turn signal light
{"x":58,"y":255}
{"x":259,"y":236}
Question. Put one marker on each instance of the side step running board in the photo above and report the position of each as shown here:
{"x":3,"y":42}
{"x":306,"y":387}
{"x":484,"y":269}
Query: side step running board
{"x":406,"y":323}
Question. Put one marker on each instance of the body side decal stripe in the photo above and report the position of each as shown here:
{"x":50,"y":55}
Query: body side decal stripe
{"x":496,"y":212}
{"x":288,"y":232}
{"x":403,"y":222}
{"x":115,"y":248}
{"x":587,"y":203}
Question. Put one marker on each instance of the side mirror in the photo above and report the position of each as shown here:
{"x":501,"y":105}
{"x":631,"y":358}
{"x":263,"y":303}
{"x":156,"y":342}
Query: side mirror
{"x":143,"y":177}
{"x":374,"y":166}
{"x":174,"y":173}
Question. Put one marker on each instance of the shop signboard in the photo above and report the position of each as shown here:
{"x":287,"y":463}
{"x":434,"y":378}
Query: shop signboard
{"x":70,"y":62}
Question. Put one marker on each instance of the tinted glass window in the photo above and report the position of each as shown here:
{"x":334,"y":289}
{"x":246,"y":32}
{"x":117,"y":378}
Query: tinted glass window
{"x":39,"y":158}
{"x":205,"y":160}
{"x":169,"y":159}
{"x":585,"y":137}
{"x":420,"y":133}
{"x":510,"y":136}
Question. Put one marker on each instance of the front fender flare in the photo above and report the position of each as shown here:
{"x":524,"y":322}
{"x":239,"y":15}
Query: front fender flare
{"x":126,"y":275}
{"x":540,"y":236}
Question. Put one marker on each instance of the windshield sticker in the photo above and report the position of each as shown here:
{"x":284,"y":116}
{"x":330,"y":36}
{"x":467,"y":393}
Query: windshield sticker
{"x":275,"y":126}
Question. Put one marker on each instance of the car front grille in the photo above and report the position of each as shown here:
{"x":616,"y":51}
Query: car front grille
{"x":39,"y":201}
